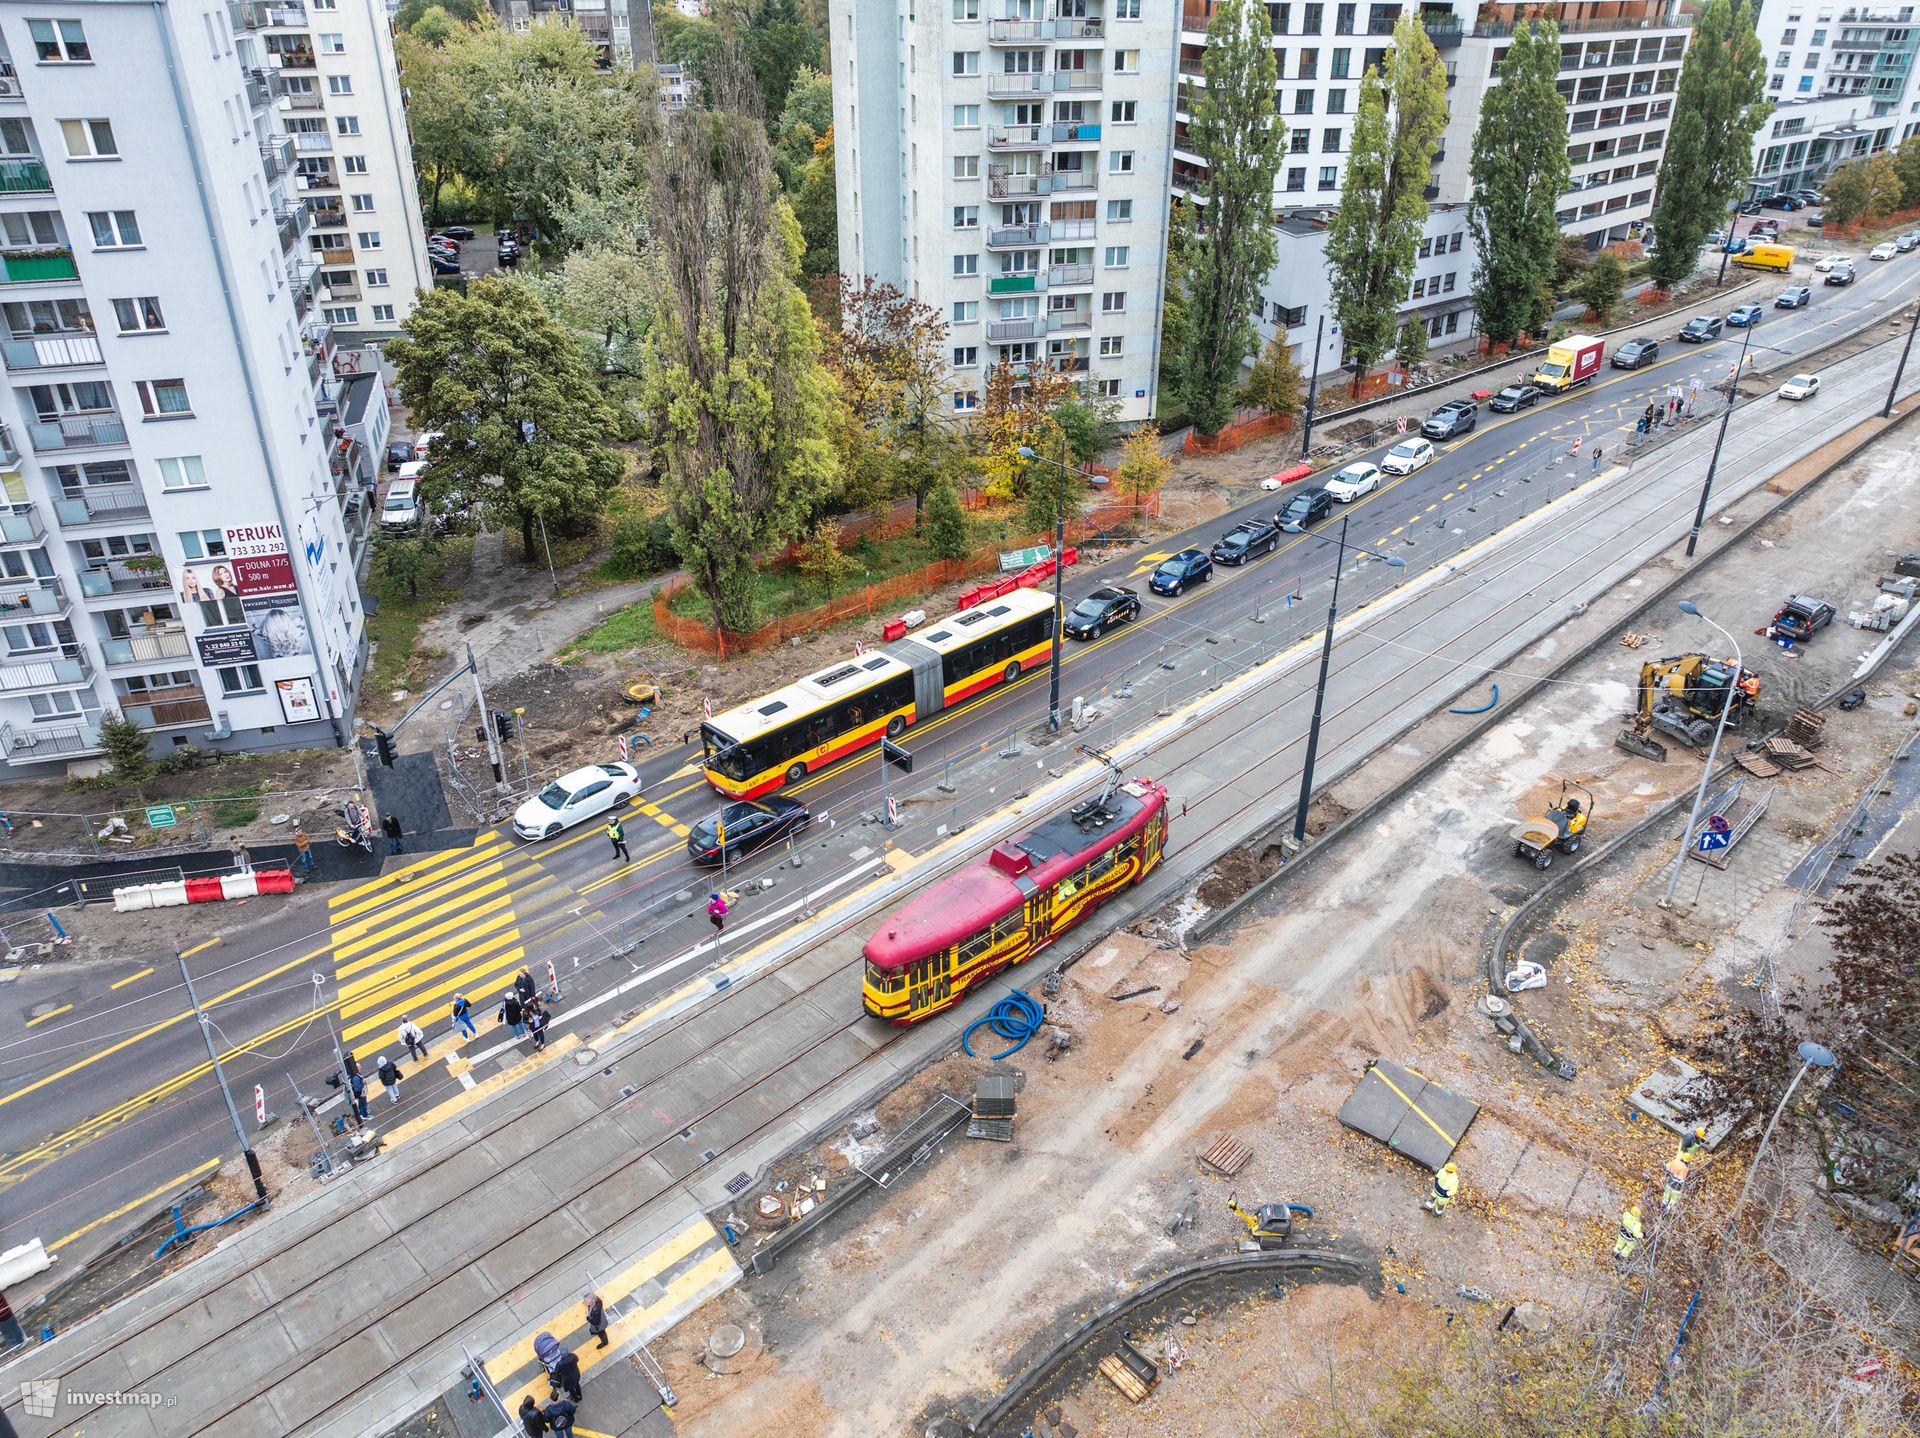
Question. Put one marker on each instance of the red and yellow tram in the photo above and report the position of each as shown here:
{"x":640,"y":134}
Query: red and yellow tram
{"x":1012,"y":902}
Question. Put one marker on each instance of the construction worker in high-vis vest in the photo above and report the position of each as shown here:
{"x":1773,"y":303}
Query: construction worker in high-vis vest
{"x":1446,"y":1186}
{"x":1693,"y":1147}
{"x":1674,"y":1185}
{"x":1629,"y":1236}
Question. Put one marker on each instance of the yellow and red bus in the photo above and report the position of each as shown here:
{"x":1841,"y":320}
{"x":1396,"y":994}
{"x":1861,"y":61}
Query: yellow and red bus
{"x":782,"y":737}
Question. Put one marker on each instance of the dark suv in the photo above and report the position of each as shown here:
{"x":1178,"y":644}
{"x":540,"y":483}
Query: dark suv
{"x":1307,"y":506}
{"x":1635,"y":353}
{"x":1189,"y":566}
{"x":1702,"y":328}
{"x":1249,"y":539}
{"x":1456,"y":416}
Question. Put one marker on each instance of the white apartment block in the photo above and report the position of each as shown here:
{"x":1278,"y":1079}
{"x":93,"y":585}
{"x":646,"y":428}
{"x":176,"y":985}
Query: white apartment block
{"x":342,"y":105}
{"x":180,"y":515}
{"x":1008,"y":162}
{"x":621,"y":31}
{"x":1841,"y":81}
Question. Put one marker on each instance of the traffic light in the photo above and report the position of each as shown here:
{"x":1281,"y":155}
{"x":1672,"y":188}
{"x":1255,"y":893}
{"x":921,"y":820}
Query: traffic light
{"x":503,"y":724}
{"x":383,"y":746}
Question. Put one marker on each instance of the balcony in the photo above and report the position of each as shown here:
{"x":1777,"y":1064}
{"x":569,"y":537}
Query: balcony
{"x":1003,"y":183}
{"x":1079,"y":29}
{"x":1076,"y":80}
{"x":247,"y":15}
{"x":9,"y":82}
{"x":312,"y":142}
{"x":1020,"y":284}
{"x":1002,"y":330}
{"x":293,"y":221}
{"x":76,"y":431}
{"x":1071,"y":181}
{"x":276,"y":155}
{"x":167,"y":641}
{"x":1075,"y":132}
{"x":24,"y":177}
{"x":1002,"y":85}
{"x":116,"y":577}
{"x":44,"y":597}
{"x":38,"y":266}
{"x":31,"y":741}
{"x":1064,"y":230}
{"x":163,"y":708}
{"x":324,"y":180}
{"x":327,"y":214}
{"x":1445,"y":31}
{"x":1014,"y":237}
{"x":61,"y":666}
{"x":1018,"y":32}
{"x":53,"y":351}
{"x":1067,"y":322}
{"x":1017,"y":137}
{"x":102,"y":504}
{"x":303,"y":100}
{"x":1069,"y":275}
{"x":340,"y":290}
{"x":21,"y":525}
{"x":287,"y":15}
{"x":295,"y":59}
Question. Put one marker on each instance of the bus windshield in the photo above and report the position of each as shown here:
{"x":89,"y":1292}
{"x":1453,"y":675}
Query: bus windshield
{"x":724,"y":756}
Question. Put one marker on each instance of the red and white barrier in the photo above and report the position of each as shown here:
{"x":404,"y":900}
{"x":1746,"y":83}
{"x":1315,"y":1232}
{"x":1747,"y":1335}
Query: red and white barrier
{"x":205,"y":889}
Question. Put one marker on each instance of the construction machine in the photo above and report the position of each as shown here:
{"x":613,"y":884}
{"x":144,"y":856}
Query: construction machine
{"x":1560,"y":828}
{"x":1271,"y":1224}
{"x":1684,"y":695}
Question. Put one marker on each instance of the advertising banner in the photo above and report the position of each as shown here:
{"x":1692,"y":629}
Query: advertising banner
{"x":256,"y":562}
{"x":279,"y":629}
{"x":297,"y":700}
{"x":227,"y":646}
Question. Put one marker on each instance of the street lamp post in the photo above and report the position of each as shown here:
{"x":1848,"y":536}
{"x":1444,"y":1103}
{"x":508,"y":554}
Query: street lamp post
{"x":1687,"y":606}
{"x":1326,"y":661}
{"x":1900,"y":369}
{"x":1059,"y":576}
{"x":220,"y":1075}
{"x":1313,"y":387}
{"x":1713,"y":463}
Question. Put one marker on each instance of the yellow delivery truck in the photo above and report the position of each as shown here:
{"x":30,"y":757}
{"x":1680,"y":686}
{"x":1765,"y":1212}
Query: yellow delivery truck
{"x":1778,"y":258}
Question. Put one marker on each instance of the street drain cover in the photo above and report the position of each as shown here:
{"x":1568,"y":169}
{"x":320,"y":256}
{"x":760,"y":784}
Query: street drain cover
{"x":726,"y":1340}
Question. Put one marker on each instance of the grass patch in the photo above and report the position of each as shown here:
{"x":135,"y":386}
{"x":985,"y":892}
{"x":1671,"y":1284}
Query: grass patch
{"x":628,"y":628}
{"x":399,"y":659}
{"x":231,"y":812}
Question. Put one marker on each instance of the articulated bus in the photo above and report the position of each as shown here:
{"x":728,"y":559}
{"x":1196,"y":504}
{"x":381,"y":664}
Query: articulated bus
{"x":784,"y":736}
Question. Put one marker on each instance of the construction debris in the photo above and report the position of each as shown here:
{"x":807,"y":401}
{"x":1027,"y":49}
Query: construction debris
{"x":1787,"y":754}
{"x":1631,"y":640}
{"x":1806,"y":728}
{"x":1129,"y":1371}
{"x":1227,"y":1157}
{"x":993,"y":1106}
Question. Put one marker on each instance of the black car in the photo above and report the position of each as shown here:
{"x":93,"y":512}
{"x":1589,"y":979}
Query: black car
{"x":1456,"y":416}
{"x":1751,"y":207}
{"x":1635,"y":353}
{"x":456,"y":232}
{"x":1788,"y":203}
{"x":1247,"y":540}
{"x":1100,"y":611}
{"x":1307,"y":506}
{"x":1189,"y":566}
{"x":1702,"y":328}
{"x":1793,"y":297}
{"x":750,"y":825}
{"x":1840,"y":275}
{"x":399,"y":452}
{"x":1514,"y":397}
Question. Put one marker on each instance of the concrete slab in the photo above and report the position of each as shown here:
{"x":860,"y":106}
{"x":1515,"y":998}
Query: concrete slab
{"x":510,"y":1265}
{"x":456,"y":1171}
{"x":523,"y":1136}
{"x":617,"y":1398}
{"x":313,"y":1389}
{"x":314,"y":1317}
{"x":639,"y":1181}
{"x":1674,"y":1081}
{"x":1409,"y":1113}
{"x":285,"y":1274}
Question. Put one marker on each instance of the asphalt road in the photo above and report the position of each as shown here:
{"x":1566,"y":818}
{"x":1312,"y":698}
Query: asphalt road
{"x":108,"y":1106}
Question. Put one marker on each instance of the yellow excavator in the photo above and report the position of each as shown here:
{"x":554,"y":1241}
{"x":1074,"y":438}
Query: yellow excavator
{"x":1683,"y":695}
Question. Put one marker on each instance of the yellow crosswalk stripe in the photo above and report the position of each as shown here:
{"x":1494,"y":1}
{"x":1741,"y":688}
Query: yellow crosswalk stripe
{"x":349,"y":902}
{"x":356,"y":996}
{"x":464,"y":909}
{"x":478,"y":979}
{"x":378,"y":913}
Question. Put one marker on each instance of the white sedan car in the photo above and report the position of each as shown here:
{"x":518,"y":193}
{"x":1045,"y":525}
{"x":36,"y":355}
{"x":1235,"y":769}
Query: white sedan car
{"x":576,"y":796}
{"x":1883,"y":252}
{"x":1407,"y":456}
{"x":1827,"y":262}
{"x":1353,"y":481}
{"x":1801,"y":386}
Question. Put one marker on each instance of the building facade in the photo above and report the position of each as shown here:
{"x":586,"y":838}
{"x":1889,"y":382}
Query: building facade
{"x":180,"y":520}
{"x":1008,"y":162}
{"x":620,"y":30}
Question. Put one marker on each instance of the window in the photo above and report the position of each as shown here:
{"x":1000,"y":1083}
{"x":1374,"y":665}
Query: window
{"x":1123,"y":112}
{"x":339,"y":84}
{"x":966,"y":312}
{"x":363,"y":204}
{"x":1113,"y":302}
{"x":1330,"y":141}
{"x":353,"y":164}
{"x":59,"y":42}
{"x":1302,"y":103}
{"x":966,"y":62}
{"x":1126,"y":10}
{"x":966,"y":356}
{"x":1419,"y":289}
{"x":966,"y":117}
{"x":1111,"y":346}
{"x":163,"y":398}
{"x":1455,"y":240}
{"x":1109,"y":388}
{"x":138,"y":314}
{"x":1343,"y":19}
{"x":346,"y":124}
{"x":1426,"y":249}
{"x":341,"y":315}
{"x":966,"y":9}
{"x":1342,"y":60}
{"x":1299,"y":142}
{"x":965,"y":265}
{"x":203,"y":543}
{"x":1328,"y":178}
{"x":1120,"y":162}
{"x":63,"y":704}
{"x":376,"y":279}
{"x":1119,"y":211}
{"x":183,"y":472}
{"x":367,"y":239}
{"x":1309,"y":64}
{"x":383,"y":314}
{"x":966,"y":217}
{"x":966,"y":400}
{"x":1813,"y":60}
{"x":1116,"y":257}
{"x":966,"y":167}
{"x":1126,"y":62}
{"x":1296,"y":178}
{"x":89,"y":139}
{"x":1310,"y":21}
{"x":1446,"y":286}
{"x":1788,"y":36}
{"x":332,"y":44}
{"x":1819,"y":38}
{"x":1782,"y":60}
{"x":114,"y":229}
{"x":241,"y":679}
{"x":1806,"y":83}
{"x":1336,"y":102}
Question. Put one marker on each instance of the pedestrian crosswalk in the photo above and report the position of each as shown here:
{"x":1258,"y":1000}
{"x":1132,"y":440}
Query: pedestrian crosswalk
{"x":446,"y":924}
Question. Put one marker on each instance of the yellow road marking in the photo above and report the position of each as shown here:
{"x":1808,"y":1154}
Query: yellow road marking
{"x":124,"y":1209}
{"x":471,"y":913}
{"x":49,"y":1014}
{"x":131,"y":979}
{"x":624,"y":871}
{"x":471,"y":979}
{"x":197,"y":948}
{"x":342,"y":906}
{"x":346,"y":933}
{"x":362,"y":994}
{"x":486,"y":1088}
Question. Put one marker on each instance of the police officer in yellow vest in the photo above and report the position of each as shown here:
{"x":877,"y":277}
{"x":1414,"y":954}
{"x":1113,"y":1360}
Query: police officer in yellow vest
{"x":1446,"y":1186}
{"x":1630,"y":1235}
{"x":619,"y":837}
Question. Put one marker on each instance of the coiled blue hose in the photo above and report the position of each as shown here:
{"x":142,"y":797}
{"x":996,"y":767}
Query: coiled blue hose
{"x":1016,"y":1017}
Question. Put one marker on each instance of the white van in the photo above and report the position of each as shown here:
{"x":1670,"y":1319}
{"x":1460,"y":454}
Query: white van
{"x":423,"y":443}
{"x":413,"y":470}
{"x":401,"y":508}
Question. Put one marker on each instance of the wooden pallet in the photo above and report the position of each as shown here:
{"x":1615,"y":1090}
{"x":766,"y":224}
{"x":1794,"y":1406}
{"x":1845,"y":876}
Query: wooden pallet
{"x":1126,"y":1370}
{"x":1227,"y":1157}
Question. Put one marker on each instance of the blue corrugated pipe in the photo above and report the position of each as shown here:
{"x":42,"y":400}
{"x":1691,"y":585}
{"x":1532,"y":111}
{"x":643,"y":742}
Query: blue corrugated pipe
{"x":1484,"y":707}
{"x":1015,"y":1017}
{"x":180,"y":1235}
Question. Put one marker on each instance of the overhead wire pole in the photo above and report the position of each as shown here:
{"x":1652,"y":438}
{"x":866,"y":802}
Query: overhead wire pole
{"x":1713,"y":462}
{"x":213,"y":1056}
{"x":486,"y":725}
{"x":1687,"y":606}
{"x":1313,"y":387}
{"x":1059,"y":573}
{"x":1899,"y":370}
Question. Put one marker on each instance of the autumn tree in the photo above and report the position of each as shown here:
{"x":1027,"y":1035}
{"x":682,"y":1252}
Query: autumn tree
{"x":1884,"y":194}
{"x":1906,"y":163}
{"x":822,"y":559}
{"x":1275,"y":383}
{"x":602,"y":294}
{"x":1520,"y":169}
{"x":1144,"y":464}
{"x":888,"y":357}
{"x":1849,"y":194}
{"x":1016,"y":411}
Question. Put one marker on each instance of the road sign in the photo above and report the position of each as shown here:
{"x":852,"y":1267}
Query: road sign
{"x":893,"y":754}
{"x":1015,"y":560}
{"x":259,"y":1103}
{"x":1718,"y":823}
{"x":161,"y":816}
{"x":1711,"y":840}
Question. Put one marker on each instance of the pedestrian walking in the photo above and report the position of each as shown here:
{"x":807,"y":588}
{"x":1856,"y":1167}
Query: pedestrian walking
{"x":533,"y":1422}
{"x":524,"y":986}
{"x":463,"y":1015}
{"x":717,"y":913}
{"x":360,"y":1097}
{"x":597,"y":1318}
{"x":1629,"y":1236}
{"x":242,"y":860}
{"x":1446,"y":1187}
{"x":390,"y":1077}
{"x":414,"y":1037}
{"x":563,"y":1369}
{"x":303,"y":848}
{"x":559,"y":1415}
{"x":619,"y":837}
{"x":1596,"y":459}
{"x":390,"y":826}
{"x":537,"y":1026}
{"x":511,"y":1014}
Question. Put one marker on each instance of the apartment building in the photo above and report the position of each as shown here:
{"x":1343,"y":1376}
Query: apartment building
{"x":1841,"y":81}
{"x":1008,"y":162}
{"x":179,"y":521}
{"x":620,"y":30}
{"x":343,"y":108}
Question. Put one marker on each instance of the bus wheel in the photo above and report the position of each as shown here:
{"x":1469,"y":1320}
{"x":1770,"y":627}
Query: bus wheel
{"x":1012,"y":673}
{"x":796,"y":773}
{"x":896,"y":726}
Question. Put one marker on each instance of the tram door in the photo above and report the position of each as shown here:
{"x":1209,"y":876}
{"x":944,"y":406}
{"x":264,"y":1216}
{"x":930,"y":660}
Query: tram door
{"x":929,"y":982}
{"x":1040,"y":920}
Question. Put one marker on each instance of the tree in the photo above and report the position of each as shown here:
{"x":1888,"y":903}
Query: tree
{"x":822,"y":559}
{"x":1090,"y":421}
{"x":1570,"y":257}
{"x":804,"y":122}
{"x":888,"y":357}
{"x":1849,"y":194}
{"x":435,"y":27}
{"x":461,"y":12}
{"x":734,"y":379}
{"x":780,"y":44}
{"x":946,"y":521}
{"x":1224,"y":260}
{"x":1373,"y":235}
{"x":691,"y":42}
{"x":1275,"y":383}
{"x":1174,"y":312}
{"x":1600,"y":284}
{"x":816,"y":207}
{"x":1144,"y":465}
{"x":126,"y":746}
{"x":1520,"y":169}
{"x":1883,"y":185}
{"x":1906,"y":163}
{"x":601,"y":293}
{"x":443,"y":112}
{"x":1410,"y":346}
{"x":518,"y":407}
{"x":406,"y":564}
{"x":1719,"y":105}
{"x":1017,"y":411}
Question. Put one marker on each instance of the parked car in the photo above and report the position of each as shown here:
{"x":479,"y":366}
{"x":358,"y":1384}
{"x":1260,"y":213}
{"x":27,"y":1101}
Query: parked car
{"x":1793,"y":297}
{"x":744,"y":827}
{"x":423,"y":443}
{"x":1736,"y":246}
{"x":443,"y":266}
{"x":458,"y":232}
{"x":1812,"y":197}
{"x":1635,"y":353}
{"x":1816,"y":222}
{"x":401,"y":507}
{"x":1513,"y":398}
{"x":1802,"y":617}
{"x":1829,"y":262}
{"x":1456,"y":416}
{"x":1702,"y":328}
{"x":1189,"y":566}
{"x":1741,"y":316}
{"x":1307,"y":506}
{"x":1784,"y":202}
{"x":1407,"y":456}
{"x":1764,"y":229}
{"x":576,"y":796}
{"x":1840,"y":275}
{"x":1354,"y":481}
{"x":1750,"y":207}
{"x":1100,"y":611}
{"x":399,"y":451}
{"x":1801,"y":386}
{"x":1248,"y":539}
{"x":1883,"y":252}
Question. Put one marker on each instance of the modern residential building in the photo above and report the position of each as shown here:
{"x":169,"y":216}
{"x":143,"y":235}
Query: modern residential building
{"x":180,"y":520}
{"x":342,"y":105}
{"x":621,"y":30}
{"x":1007,"y":161}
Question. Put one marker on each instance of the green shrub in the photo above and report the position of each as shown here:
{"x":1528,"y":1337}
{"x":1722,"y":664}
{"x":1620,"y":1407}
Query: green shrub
{"x":642,"y":544}
{"x":183,"y":760}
